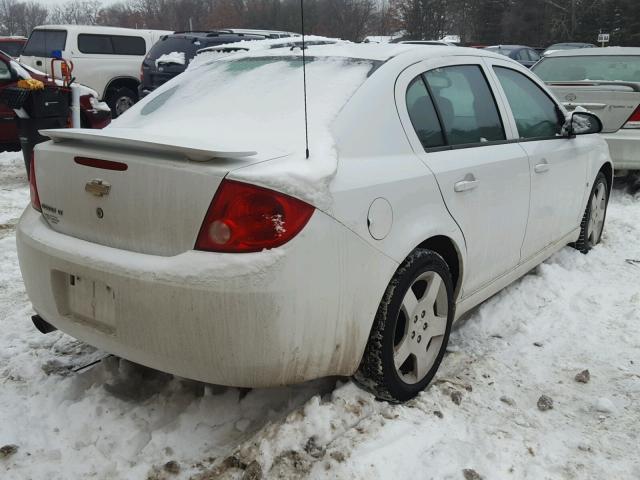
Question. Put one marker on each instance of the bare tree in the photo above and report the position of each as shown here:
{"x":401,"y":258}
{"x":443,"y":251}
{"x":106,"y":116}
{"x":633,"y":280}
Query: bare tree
{"x":80,"y":12}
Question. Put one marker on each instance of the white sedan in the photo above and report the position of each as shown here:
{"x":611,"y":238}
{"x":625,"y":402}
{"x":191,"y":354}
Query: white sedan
{"x":194,"y":235}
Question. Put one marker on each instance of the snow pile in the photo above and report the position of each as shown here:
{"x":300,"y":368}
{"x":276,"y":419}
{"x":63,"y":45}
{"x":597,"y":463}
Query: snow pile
{"x":177,"y":58}
{"x":256,"y":103}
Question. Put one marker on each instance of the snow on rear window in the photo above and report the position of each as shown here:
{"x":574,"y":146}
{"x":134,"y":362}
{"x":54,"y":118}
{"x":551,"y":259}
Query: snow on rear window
{"x":256,"y":103}
{"x":251,"y":101}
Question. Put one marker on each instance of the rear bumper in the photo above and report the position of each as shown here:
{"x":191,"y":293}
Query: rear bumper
{"x":288,"y":315}
{"x":624,"y":146}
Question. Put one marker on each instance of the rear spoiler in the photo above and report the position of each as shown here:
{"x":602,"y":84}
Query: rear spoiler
{"x":635,"y":86}
{"x":197,"y":150}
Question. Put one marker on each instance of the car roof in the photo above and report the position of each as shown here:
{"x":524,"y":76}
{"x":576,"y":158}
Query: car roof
{"x":597,"y":51}
{"x":214,"y":34}
{"x":410,"y":53}
{"x":99,"y":29}
{"x":508,"y":47}
{"x":270,"y":43}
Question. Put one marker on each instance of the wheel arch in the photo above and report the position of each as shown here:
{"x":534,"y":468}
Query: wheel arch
{"x":447,"y":248}
{"x":607,"y":169}
{"x":118,"y":82}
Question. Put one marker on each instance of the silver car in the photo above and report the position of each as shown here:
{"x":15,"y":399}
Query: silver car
{"x":605,"y":81}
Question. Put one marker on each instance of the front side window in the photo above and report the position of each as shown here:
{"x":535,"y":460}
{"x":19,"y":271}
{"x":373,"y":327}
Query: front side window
{"x":42,"y":42}
{"x":536,"y":115}
{"x":423,"y":115}
{"x":465,"y":104}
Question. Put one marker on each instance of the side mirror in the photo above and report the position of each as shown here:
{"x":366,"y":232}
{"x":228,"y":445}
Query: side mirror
{"x":583,"y":123}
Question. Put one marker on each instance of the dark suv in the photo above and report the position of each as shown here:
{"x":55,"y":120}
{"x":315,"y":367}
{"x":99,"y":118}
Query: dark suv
{"x":171,"y":55}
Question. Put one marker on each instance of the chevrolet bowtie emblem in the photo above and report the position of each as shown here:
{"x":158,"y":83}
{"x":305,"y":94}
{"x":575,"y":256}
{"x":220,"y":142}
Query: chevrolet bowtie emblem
{"x":97,"y":187}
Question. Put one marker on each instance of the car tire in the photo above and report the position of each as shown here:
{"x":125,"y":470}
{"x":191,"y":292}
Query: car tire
{"x":594,"y":215}
{"x":411,"y":329}
{"x":120,"y":100}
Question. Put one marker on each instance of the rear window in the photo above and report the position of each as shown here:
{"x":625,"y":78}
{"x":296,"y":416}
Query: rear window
{"x":12,"y":48}
{"x":255,"y":101}
{"x":42,"y":42}
{"x":625,"y":68}
{"x":111,"y":44}
{"x":187,"y":45}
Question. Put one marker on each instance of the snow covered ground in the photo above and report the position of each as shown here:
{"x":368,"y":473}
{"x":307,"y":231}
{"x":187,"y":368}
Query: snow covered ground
{"x":478,"y":420}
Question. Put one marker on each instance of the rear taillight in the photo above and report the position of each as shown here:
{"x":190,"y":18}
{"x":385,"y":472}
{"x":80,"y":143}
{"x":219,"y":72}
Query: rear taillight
{"x":33,"y":186}
{"x":245,"y":218}
{"x":634,"y":119}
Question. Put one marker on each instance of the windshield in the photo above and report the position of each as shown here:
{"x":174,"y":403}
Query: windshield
{"x":596,"y":67}
{"x":252,"y":100}
{"x":12,"y":48}
{"x":42,"y":42}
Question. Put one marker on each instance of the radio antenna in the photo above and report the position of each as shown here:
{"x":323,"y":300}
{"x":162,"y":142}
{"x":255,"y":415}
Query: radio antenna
{"x":304,"y":77}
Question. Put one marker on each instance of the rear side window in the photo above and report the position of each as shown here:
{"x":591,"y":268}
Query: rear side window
{"x":465,"y":104}
{"x":423,"y":115}
{"x":536,"y":115}
{"x":123,"y":45}
{"x":42,"y":42}
{"x":111,"y":44}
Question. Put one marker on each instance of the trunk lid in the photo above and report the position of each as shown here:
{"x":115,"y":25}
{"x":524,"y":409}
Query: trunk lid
{"x":138,"y":194}
{"x":613,"y":102}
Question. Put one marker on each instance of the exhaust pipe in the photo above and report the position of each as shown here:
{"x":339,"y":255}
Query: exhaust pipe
{"x":42,"y":325}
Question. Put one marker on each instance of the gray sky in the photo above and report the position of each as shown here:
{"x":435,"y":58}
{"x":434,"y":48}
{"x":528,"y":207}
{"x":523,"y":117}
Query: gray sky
{"x":49,"y":3}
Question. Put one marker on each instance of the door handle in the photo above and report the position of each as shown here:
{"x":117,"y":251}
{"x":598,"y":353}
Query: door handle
{"x":542,"y":166}
{"x":469,"y":182}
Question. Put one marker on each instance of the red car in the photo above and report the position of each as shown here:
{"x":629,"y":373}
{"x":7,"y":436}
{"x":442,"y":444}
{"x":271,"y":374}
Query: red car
{"x":12,"y":45}
{"x":93,"y":114}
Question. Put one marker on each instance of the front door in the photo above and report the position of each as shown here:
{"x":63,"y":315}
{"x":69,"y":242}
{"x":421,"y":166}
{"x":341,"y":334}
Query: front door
{"x":457,"y":128}
{"x":558,"y":164}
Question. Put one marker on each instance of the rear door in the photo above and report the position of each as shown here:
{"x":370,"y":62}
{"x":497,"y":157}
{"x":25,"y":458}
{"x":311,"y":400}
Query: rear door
{"x":558,"y":165}
{"x":42,"y":43}
{"x":608,"y":86}
{"x":455,"y":125}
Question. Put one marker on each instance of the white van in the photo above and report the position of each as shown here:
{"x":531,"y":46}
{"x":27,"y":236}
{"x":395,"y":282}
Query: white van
{"x":107,"y":59}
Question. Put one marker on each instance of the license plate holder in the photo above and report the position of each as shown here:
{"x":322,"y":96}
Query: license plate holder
{"x":92,"y":301}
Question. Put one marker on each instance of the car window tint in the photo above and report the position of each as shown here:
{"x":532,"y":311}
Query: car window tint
{"x":533,"y":55}
{"x":42,"y":42}
{"x":536,"y":115}
{"x":522,"y":55}
{"x":13,"y":49}
{"x":96,"y":44}
{"x":125,"y":45}
{"x":466,"y":105}
{"x":423,"y":115}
